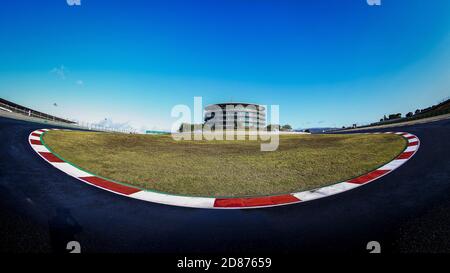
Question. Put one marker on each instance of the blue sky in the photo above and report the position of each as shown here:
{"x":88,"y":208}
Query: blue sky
{"x":326,"y":63}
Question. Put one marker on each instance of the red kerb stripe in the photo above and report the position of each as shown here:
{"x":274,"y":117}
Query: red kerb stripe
{"x":35,"y":142}
{"x":50,"y":157}
{"x":36,"y":135}
{"x":405,"y":155}
{"x":413,"y":143}
{"x":368,"y":177}
{"x":255,"y":201}
{"x":112,"y":186}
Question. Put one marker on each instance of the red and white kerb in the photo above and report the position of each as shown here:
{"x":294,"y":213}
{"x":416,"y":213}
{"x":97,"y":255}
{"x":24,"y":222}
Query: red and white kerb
{"x":222,"y":203}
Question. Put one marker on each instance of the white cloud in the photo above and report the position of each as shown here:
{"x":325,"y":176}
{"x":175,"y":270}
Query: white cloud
{"x":60,"y":72}
{"x":79,"y":82}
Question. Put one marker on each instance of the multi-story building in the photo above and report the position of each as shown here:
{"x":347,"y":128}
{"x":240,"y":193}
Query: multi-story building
{"x":236,"y":115}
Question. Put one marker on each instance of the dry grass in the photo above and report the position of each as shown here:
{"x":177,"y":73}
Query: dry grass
{"x":225,"y":168}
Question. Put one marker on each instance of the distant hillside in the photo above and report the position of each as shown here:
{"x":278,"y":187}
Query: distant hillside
{"x":444,"y":106}
{"x":435,"y":110}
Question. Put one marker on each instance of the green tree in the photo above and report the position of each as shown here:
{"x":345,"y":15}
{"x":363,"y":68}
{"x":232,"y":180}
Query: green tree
{"x":272,"y":127}
{"x":185,"y":127}
{"x":394,"y":116}
{"x":286,"y":127}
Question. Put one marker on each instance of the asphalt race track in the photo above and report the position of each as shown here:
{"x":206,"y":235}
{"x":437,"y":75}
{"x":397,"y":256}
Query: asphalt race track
{"x":41,"y":209}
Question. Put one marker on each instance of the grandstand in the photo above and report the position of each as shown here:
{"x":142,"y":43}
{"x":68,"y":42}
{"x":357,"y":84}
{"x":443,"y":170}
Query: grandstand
{"x":12,"y":107}
{"x":13,"y":110}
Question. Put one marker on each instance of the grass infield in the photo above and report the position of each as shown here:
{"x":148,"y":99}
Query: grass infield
{"x":225,"y":168}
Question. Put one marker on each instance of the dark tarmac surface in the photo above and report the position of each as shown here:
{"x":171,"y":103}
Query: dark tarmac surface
{"x":41,"y":209}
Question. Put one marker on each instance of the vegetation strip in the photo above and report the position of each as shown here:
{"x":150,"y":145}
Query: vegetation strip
{"x":210,"y":202}
{"x":233,"y":168}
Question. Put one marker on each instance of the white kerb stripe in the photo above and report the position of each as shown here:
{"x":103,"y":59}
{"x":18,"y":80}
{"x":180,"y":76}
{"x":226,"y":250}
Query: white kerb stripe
{"x":307,"y":195}
{"x":194,"y":202}
{"x":394,"y":164}
{"x":340,"y":187}
{"x":38,"y":132}
{"x":40,"y":148}
{"x":411,"y":148}
{"x":71,"y":170}
{"x":413,"y":140}
{"x":34,"y":137}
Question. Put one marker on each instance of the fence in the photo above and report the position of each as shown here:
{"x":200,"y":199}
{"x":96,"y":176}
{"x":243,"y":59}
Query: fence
{"x":97,"y":127}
